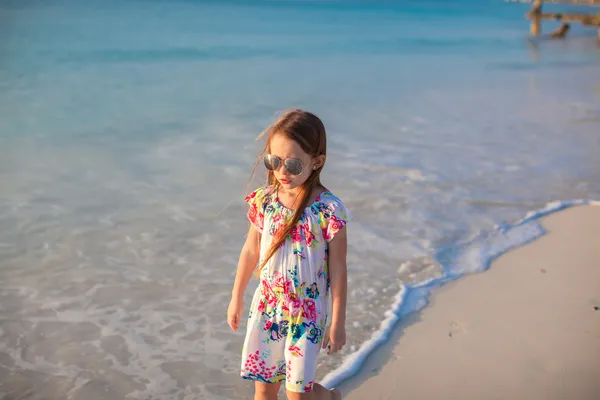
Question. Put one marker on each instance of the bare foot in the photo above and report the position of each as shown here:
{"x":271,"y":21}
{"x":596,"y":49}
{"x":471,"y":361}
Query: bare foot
{"x":336,"y":394}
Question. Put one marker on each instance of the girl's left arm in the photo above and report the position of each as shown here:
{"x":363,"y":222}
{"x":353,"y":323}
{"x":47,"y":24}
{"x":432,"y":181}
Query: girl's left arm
{"x":338,"y":276}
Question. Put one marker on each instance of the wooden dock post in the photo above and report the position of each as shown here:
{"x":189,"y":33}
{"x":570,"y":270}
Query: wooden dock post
{"x":536,"y":18}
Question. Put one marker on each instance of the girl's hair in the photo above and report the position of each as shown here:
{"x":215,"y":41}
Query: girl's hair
{"x":308,"y":131}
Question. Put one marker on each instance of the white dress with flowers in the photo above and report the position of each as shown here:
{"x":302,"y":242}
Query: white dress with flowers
{"x":288,"y":313}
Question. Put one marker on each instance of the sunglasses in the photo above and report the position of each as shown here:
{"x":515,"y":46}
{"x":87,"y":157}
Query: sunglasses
{"x":292,"y":165}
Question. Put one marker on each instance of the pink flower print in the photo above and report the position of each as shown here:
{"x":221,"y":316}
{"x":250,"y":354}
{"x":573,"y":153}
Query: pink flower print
{"x":269,"y":299}
{"x":268,"y":294}
{"x":250,"y":197}
{"x":252,"y":213}
{"x":265,"y":287}
{"x":255,"y":215}
{"x":294,"y":306}
{"x":287,"y":307}
{"x":277,"y":218}
{"x":310,"y":310}
{"x":296,"y":351}
{"x":308,"y":386}
{"x":262,"y":306}
{"x":285,"y":286}
{"x":289,"y":287}
{"x":334,"y":226}
{"x":272,"y":300}
{"x":268,"y":325}
{"x":308,"y":234}
{"x":277,"y":280}
{"x":290,"y":306}
{"x":288,"y":370}
{"x":295,"y":235}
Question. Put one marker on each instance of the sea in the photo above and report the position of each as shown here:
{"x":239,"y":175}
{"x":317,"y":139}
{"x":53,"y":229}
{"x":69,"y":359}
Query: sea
{"x":128,"y":134}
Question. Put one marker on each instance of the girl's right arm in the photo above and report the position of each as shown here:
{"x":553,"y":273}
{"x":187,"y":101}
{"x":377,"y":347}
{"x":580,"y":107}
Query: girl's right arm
{"x":246,"y":265}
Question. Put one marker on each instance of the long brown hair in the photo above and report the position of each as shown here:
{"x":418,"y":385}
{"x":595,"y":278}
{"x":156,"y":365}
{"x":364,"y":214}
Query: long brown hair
{"x":308,"y":131}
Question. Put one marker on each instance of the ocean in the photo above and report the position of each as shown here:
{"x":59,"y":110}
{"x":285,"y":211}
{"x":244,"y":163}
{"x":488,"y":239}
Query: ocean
{"x":127,"y":139}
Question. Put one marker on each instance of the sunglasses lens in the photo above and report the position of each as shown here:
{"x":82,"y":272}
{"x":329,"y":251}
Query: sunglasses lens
{"x":271,"y":162}
{"x":293,"y":166}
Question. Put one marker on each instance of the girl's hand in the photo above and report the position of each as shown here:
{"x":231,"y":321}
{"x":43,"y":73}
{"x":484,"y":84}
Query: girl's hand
{"x":234,"y":312}
{"x":335,"y":338}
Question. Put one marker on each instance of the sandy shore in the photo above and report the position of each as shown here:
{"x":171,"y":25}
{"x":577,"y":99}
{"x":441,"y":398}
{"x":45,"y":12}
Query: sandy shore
{"x":527,"y":328}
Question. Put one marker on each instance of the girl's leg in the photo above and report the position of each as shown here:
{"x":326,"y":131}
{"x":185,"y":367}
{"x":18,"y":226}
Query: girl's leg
{"x":266,"y":391}
{"x":318,"y":392}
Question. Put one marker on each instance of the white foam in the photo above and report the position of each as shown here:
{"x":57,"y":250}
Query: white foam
{"x":354,"y":361}
{"x":467,"y":258}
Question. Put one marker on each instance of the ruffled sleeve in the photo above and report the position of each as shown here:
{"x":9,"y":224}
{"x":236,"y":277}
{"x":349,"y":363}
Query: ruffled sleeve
{"x":334,"y":218}
{"x":256,"y":212}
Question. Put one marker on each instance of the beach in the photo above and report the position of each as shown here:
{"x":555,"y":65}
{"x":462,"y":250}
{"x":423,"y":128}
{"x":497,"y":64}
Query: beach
{"x":527,"y":328}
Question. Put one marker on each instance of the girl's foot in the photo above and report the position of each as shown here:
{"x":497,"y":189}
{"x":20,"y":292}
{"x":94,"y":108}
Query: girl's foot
{"x":336,"y":394}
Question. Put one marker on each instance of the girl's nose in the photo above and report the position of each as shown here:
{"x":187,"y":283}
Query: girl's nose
{"x":283,"y":169}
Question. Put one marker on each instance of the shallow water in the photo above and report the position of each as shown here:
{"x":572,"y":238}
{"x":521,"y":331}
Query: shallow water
{"x":127,"y":139}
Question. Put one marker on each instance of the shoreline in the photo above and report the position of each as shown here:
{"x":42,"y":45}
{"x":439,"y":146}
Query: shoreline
{"x":392,"y":364}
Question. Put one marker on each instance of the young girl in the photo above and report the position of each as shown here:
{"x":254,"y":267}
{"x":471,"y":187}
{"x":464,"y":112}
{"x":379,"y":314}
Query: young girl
{"x":298,"y":239}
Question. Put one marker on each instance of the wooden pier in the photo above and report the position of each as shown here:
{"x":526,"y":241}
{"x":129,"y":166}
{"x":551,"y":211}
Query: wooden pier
{"x":536,"y":15}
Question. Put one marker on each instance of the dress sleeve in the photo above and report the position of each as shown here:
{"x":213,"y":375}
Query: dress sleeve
{"x":256,"y":212}
{"x":336,"y":217}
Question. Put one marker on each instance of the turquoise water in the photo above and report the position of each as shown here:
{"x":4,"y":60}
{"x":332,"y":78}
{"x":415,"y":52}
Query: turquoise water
{"x":127,"y":139}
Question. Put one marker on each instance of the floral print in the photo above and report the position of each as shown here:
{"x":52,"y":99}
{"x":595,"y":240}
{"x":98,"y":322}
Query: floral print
{"x":288,"y":313}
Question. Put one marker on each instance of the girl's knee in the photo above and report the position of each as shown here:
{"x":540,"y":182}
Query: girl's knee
{"x":268,"y":390}
{"x":298,"y":395}
{"x":318,"y":392}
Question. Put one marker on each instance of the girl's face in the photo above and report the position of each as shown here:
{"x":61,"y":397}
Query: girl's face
{"x":285,"y":148}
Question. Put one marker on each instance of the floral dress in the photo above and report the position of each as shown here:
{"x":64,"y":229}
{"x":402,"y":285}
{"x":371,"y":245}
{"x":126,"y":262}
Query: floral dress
{"x":289,"y":309}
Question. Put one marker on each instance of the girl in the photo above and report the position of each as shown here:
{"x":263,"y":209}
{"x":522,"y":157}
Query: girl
{"x":298,"y":239}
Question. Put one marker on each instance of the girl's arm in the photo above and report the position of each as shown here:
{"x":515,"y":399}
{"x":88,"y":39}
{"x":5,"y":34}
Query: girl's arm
{"x":246,"y":264}
{"x":339,"y":287}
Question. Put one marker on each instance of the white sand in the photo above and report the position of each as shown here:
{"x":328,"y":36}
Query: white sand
{"x":524,"y":329}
